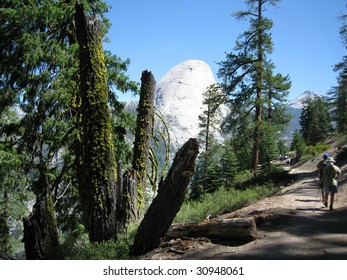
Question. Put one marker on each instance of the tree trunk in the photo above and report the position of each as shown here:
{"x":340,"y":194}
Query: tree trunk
{"x":40,"y":230}
{"x":144,"y":129}
{"x":259,"y":88}
{"x":167,"y":203}
{"x":126,"y":198}
{"x":231,"y":229}
{"x":96,"y":163}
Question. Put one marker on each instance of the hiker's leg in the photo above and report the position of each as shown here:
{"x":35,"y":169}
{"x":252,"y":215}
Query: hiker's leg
{"x":332,"y":200}
{"x":325,"y":195}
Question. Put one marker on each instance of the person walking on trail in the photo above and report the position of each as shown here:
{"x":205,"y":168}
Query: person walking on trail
{"x":330,"y":174}
{"x":320,"y":168}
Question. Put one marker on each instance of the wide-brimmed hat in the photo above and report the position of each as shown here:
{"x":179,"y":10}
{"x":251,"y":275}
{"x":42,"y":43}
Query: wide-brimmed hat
{"x":330,"y":159}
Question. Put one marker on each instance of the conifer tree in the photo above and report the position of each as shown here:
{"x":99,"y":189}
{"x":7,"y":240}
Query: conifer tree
{"x":209,"y":121}
{"x":246,"y":77}
{"x":315,"y":121}
{"x":229,"y":164}
{"x":298,"y":144}
{"x":338,"y":94}
{"x":38,"y":70}
{"x":338,"y":99}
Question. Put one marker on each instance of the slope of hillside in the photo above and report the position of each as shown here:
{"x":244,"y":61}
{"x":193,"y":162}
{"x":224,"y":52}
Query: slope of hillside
{"x":291,"y":225}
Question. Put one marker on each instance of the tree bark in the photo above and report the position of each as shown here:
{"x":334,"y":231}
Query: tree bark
{"x":231,"y":229}
{"x":259,"y":89}
{"x":40,"y":230}
{"x":95,"y":159}
{"x":144,"y":129}
{"x":167,"y":203}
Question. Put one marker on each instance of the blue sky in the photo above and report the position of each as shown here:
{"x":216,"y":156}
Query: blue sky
{"x":156,"y":35}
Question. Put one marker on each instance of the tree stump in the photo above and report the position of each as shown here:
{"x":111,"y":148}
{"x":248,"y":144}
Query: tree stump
{"x":40,"y":230}
{"x":167,"y":203}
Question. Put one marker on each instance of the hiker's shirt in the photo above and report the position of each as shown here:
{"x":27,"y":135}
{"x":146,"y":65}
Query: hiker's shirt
{"x":320,"y":166}
{"x":330,"y":174}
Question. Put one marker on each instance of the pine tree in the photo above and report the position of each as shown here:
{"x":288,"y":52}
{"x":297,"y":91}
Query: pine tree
{"x":229,"y":164}
{"x":246,"y":74}
{"x":338,"y":102}
{"x":209,"y":121}
{"x":39,"y":75}
{"x":298,"y":144}
{"x":338,"y":94}
{"x":314,"y":121}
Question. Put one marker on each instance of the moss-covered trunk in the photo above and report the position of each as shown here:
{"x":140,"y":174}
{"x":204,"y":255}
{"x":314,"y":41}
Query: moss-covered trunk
{"x":143,"y":132}
{"x":96,"y":163}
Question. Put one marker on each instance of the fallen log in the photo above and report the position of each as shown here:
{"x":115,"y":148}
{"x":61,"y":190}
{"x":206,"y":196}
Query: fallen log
{"x":231,"y":229}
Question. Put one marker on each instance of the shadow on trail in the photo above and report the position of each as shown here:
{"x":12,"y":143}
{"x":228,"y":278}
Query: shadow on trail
{"x":302,"y":175}
{"x":324,"y":238}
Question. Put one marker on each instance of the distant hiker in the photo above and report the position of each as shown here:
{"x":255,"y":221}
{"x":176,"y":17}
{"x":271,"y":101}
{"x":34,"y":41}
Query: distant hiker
{"x":320,"y":169}
{"x":330,"y":173}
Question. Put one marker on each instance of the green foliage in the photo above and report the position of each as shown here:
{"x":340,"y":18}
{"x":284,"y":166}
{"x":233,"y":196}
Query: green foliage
{"x":338,"y":98}
{"x":298,"y":144}
{"x":316,"y":149}
{"x":229,"y":165}
{"x":315,"y":121}
{"x":76,"y":245}
{"x":251,"y":85}
{"x":14,"y":193}
{"x":82,"y":249}
{"x":39,"y":77}
{"x":228,"y":200}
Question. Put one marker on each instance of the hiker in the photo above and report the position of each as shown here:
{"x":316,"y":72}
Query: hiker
{"x":330,"y":173}
{"x":320,"y":169}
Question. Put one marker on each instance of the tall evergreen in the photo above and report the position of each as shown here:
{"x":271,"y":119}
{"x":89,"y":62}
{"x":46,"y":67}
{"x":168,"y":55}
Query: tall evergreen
{"x":298,"y":144}
{"x":338,"y":99}
{"x":338,"y":94}
{"x":246,"y":75}
{"x":39,"y":75}
{"x":229,"y":164}
{"x":209,"y":120}
{"x":315,"y":121}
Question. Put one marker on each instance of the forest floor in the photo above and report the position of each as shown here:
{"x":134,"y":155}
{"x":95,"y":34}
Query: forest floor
{"x":291,"y":225}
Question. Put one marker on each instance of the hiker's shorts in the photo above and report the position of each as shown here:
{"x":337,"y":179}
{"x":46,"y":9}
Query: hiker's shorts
{"x":332,"y":189}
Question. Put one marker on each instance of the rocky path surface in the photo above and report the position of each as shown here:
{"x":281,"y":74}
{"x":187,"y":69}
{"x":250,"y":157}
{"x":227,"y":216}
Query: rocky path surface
{"x":291,"y":225}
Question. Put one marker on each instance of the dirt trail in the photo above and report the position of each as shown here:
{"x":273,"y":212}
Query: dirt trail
{"x":291,"y":225}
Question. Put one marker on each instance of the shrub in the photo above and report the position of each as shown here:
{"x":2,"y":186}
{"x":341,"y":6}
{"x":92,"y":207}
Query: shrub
{"x":77,"y":246}
{"x":222,"y":201}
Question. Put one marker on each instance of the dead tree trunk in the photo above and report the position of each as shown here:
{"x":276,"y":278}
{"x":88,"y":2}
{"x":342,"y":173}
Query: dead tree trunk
{"x":167,"y":203}
{"x":144,"y":127}
{"x":130,"y":195}
{"x":40,"y":230}
{"x":95,"y":159}
{"x":231,"y":229}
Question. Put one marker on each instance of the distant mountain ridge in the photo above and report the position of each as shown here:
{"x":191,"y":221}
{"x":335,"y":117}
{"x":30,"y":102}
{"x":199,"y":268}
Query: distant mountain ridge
{"x":179,"y":99}
{"x":295,"y":108}
{"x":297,"y":102}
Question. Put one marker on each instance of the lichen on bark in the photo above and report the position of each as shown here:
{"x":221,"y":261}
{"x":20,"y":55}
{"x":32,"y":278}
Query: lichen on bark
{"x":144,"y":127}
{"x":95,"y":159}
